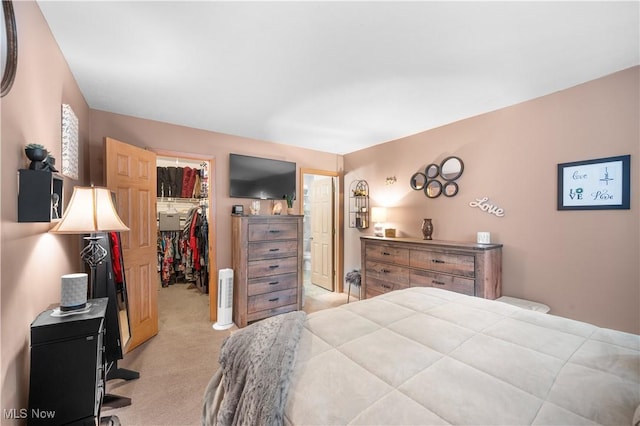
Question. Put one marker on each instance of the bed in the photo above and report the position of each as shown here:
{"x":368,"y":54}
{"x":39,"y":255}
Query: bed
{"x":426,"y":356}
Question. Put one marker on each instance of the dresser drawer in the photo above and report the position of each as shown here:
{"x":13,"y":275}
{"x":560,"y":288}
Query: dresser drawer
{"x":387,"y":272}
{"x":385,"y":253}
{"x":272,"y":300}
{"x":272,"y":249}
{"x":254,"y":316}
{"x":382,"y":286}
{"x":273,"y":231}
{"x":271,"y":284}
{"x":458,"y":264}
{"x":268,"y":267}
{"x":447,"y":282}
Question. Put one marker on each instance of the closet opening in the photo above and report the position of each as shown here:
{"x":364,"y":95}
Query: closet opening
{"x":185,"y":214}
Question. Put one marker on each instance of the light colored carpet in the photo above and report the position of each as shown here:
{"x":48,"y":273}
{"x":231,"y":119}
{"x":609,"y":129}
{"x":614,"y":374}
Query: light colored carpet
{"x":176,"y":365}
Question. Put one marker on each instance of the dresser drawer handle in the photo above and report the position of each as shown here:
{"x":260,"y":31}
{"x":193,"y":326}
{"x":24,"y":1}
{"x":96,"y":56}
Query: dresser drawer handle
{"x":274,"y":266}
{"x":274,"y":249}
{"x":385,"y":271}
{"x":274,"y":231}
{"x":274,"y":282}
{"x":275,"y":299}
{"x":437,"y":282}
{"x":437,"y":261}
{"x":386,"y":286}
{"x":384,"y":253}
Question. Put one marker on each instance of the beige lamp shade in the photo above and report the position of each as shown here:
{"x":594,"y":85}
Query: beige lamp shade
{"x":90,"y":210}
{"x":378,"y":214}
{"x":378,"y":217}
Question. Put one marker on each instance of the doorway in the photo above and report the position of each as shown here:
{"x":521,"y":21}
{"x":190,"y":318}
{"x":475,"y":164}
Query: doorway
{"x":186,"y":227}
{"x":319,"y":191}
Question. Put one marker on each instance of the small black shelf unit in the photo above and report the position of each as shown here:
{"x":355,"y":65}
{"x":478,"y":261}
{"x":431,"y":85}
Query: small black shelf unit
{"x":39,"y":196}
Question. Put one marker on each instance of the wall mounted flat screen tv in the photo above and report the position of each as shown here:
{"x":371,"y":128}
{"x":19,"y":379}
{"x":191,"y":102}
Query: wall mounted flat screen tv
{"x":261,"y":178}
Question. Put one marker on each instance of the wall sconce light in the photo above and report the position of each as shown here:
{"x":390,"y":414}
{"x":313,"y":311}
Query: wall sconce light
{"x":378,"y":217}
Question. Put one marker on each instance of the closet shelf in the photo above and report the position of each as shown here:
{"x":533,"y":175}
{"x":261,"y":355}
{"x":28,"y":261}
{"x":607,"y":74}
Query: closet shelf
{"x":181,"y":200}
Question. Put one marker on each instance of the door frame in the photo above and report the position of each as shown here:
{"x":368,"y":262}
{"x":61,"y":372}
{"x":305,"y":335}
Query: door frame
{"x":213,"y":267}
{"x":338,"y":220}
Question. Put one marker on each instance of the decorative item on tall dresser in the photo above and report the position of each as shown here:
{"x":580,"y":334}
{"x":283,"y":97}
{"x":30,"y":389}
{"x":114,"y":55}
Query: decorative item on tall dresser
{"x":378,"y":217}
{"x":427,"y":229}
{"x":254,"y":209}
{"x":277,"y":208}
{"x":289,"y":198}
{"x":359,"y":204}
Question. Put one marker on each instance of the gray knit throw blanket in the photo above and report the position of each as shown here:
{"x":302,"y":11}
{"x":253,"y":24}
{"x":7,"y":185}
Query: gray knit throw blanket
{"x":256,"y":364}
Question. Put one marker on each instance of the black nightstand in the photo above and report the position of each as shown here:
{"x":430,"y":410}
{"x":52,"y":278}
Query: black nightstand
{"x":67,"y":367}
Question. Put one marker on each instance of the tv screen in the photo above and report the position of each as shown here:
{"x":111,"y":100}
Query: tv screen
{"x":261,"y":178}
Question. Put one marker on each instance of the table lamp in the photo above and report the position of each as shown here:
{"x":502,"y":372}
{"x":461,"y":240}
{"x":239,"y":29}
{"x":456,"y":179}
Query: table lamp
{"x":378,"y":217}
{"x":90,"y":211}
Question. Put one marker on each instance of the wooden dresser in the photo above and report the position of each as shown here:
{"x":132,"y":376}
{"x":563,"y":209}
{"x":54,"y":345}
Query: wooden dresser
{"x":396,"y":263}
{"x":267,"y":266}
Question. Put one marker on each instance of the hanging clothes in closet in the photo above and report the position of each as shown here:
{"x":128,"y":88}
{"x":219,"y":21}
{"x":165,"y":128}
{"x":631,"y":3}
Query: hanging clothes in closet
{"x":195,"y":248}
{"x":183,"y":248}
{"x":179,"y":182}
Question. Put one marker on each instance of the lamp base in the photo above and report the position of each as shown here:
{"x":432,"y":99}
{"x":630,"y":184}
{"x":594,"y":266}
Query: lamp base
{"x":93,"y":254}
{"x":73,"y":308}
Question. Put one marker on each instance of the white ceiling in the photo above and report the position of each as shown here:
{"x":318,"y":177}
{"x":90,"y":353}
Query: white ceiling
{"x":334,"y":76}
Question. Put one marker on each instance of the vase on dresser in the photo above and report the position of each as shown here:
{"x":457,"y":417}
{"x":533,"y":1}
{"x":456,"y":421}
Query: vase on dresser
{"x":427,"y":229}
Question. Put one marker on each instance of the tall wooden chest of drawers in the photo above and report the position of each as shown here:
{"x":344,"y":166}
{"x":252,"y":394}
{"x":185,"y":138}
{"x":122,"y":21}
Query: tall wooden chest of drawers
{"x":396,"y":263}
{"x":267,"y":266}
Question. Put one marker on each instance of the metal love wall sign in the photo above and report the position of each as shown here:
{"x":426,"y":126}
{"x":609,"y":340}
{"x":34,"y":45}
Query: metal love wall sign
{"x":483,"y":205}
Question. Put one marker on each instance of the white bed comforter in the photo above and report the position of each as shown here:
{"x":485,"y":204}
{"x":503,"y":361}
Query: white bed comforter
{"x":429,"y":356}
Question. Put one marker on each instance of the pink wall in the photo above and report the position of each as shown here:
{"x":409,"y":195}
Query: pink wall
{"x":32,"y":259}
{"x":583,"y":264}
{"x":162,"y":136}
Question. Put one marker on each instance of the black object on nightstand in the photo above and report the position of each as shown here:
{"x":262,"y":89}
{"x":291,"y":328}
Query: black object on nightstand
{"x":67,"y":367}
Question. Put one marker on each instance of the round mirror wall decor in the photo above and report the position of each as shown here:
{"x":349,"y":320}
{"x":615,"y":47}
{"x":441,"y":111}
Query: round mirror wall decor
{"x":433,"y":189}
{"x":432,"y":171}
{"x":451,"y":168}
{"x":450,"y":189}
{"x":418,"y":181}
{"x":431,"y":181}
{"x":9,"y":48}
